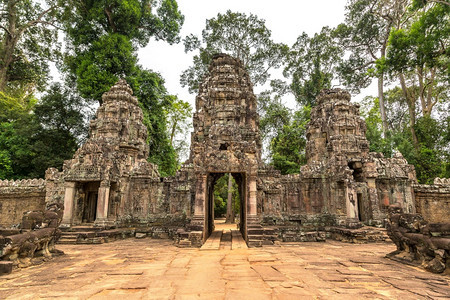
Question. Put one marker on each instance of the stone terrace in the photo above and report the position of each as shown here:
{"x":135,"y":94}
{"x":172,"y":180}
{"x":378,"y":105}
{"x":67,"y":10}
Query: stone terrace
{"x":155,"y":269}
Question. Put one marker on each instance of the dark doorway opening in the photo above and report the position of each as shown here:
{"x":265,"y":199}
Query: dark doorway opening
{"x":89,"y":204}
{"x":90,"y":208}
{"x":239,"y":203}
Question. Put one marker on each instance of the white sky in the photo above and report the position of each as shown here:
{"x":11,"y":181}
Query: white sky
{"x":287,"y":19}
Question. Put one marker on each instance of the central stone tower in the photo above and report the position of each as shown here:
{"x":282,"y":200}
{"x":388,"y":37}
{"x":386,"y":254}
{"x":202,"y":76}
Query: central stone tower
{"x":225,"y":140}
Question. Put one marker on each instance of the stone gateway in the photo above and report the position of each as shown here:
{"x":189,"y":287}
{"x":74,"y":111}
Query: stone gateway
{"x":109,"y":184}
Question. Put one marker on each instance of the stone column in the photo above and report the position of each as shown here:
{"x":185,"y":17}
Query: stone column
{"x":200,"y":195}
{"x":252,"y":196}
{"x":103,"y":202}
{"x":69,"y":196}
{"x":351,"y":203}
{"x":377,"y":214}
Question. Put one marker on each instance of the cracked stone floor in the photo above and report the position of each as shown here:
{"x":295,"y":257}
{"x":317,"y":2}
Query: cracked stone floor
{"x":155,"y":269}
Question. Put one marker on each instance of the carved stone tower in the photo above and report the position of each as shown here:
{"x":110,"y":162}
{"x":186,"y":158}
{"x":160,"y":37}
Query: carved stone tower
{"x":97,"y":178}
{"x":342,"y":177}
{"x":225,"y":139}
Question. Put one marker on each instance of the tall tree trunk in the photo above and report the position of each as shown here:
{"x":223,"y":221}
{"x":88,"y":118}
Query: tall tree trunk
{"x":9,"y":43}
{"x":382,"y":106}
{"x":230,"y":200}
{"x":172,"y":133}
{"x":384,"y":124}
{"x":411,"y":101}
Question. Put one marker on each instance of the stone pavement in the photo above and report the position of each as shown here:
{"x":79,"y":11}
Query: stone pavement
{"x":155,"y":269}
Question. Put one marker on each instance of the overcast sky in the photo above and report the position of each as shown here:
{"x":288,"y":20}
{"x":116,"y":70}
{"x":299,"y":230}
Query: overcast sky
{"x":287,"y":19}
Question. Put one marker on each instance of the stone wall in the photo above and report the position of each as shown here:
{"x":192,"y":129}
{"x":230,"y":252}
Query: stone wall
{"x":18,"y":197}
{"x":433,"y":201}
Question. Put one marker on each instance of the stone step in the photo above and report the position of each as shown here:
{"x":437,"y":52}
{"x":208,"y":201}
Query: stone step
{"x":84,"y":228}
{"x":65,"y":240}
{"x":237,"y":242}
{"x":213,"y":242}
{"x":255,"y":237}
{"x":185,"y":243}
{"x":254,"y":243}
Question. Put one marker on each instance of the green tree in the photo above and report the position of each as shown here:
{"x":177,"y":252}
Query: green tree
{"x":179,"y":115}
{"x":16,"y":128}
{"x":311,"y":64}
{"x":36,"y":136}
{"x":28,"y":39}
{"x":60,"y":128}
{"x":245,"y":37}
{"x":273,"y":115}
{"x":365,"y":35}
{"x":221,"y":194}
{"x":432,"y":158}
{"x":288,"y":146}
{"x":418,"y":56}
{"x":16,"y":147}
{"x":154,"y":101}
{"x":103,"y":37}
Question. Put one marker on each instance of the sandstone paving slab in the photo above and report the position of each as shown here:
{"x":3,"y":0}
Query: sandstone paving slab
{"x":241,"y":275}
{"x":249,"y":294}
{"x":161,"y":293}
{"x":268,"y":273}
{"x":119,"y":293}
{"x":206,"y":296}
{"x":257,"y":258}
{"x":222,"y":274}
{"x":333,"y":277}
{"x":291,"y":293}
{"x":180,"y":262}
{"x":353,"y":271}
{"x":192,"y":287}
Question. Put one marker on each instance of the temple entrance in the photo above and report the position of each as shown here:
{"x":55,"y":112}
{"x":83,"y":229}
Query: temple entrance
{"x":216,"y":205}
{"x":89,"y":212}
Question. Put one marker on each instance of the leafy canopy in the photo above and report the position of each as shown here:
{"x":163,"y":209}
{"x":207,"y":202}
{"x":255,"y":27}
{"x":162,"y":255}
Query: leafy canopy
{"x":245,"y":37}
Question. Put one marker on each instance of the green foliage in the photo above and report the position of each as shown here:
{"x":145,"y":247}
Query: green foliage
{"x":244,"y":37}
{"x":311,"y":64}
{"x":62,"y":109}
{"x":288,"y":146}
{"x":365,"y":35}
{"x":423,"y":43}
{"x":16,"y":147}
{"x":221,"y":196}
{"x":273,"y":115}
{"x":97,"y":69}
{"x":149,"y":88}
{"x":60,"y":128}
{"x":431,"y":159}
{"x":374,"y":133}
{"x":139,"y":20}
{"x":28,"y":41}
{"x":32,"y":142}
{"x":179,"y":116}
{"x":103,"y":37}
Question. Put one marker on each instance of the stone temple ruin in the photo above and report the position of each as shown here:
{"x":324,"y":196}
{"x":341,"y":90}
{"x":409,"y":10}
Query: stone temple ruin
{"x":109,"y":184}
